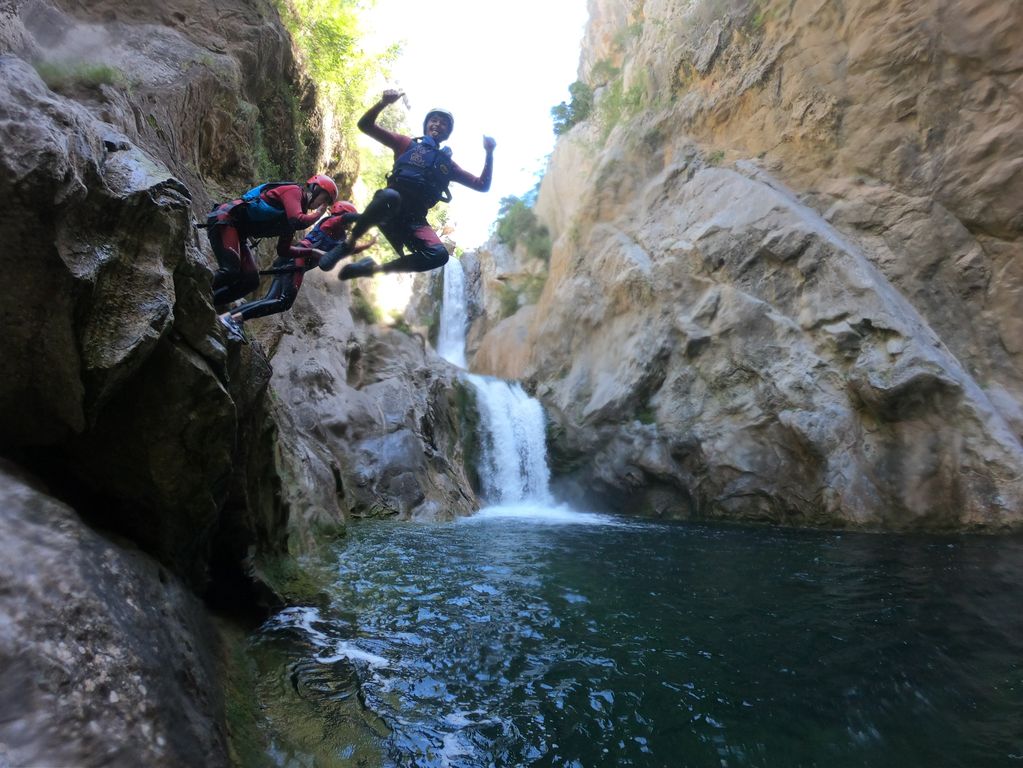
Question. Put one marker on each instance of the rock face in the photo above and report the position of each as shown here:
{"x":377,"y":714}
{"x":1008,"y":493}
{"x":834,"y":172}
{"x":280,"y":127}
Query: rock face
{"x":375,"y":405}
{"x":785,"y":278}
{"x":108,"y":659}
{"x":200,"y":461}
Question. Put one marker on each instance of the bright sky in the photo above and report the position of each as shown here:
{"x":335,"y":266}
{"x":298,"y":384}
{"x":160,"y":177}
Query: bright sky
{"x":499,"y":67}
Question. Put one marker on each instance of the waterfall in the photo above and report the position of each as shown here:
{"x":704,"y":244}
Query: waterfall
{"x":451,"y":338}
{"x":513,"y":462}
{"x":513,"y":466}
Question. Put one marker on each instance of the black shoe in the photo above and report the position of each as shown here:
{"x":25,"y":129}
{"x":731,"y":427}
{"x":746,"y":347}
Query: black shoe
{"x":233,"y":328}
{"x":330,"y":259}
{"x":361,"y":268}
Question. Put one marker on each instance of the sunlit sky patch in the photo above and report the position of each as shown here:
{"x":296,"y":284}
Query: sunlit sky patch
{"x":499,"y":67}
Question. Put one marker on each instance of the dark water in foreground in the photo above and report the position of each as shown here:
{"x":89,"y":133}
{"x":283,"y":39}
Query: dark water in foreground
{"x":595,"y":641}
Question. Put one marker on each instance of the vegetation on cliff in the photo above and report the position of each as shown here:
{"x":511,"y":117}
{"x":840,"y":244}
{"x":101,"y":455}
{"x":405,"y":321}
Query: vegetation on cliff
{"x":328,"y":35}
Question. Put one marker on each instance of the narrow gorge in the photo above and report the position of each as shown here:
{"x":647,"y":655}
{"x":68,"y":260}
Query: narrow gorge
{"x":782,"y":286}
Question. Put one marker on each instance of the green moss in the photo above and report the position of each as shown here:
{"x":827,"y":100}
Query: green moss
{"x":363,"y":308}
{"x":296,"y":581}
{"x":265,"y":166}
{"x":617,"y":104}
{"x":508,"y":300}
{"x":65,"y":76}
{"x":603,"y":72}
{"x":625,"y":36}
{"x":247,"y":744}
{"x":467,"y":408}
{"x":715,"y":157}
{"x":401,"y":325}
{"x":646,"y":415}
{"x":760,"y":14}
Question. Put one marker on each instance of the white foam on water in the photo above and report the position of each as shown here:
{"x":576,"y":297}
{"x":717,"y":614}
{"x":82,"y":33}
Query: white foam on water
{"x":543,"y":514}
{"x":329,"y":650}
{"x":350,"y":651}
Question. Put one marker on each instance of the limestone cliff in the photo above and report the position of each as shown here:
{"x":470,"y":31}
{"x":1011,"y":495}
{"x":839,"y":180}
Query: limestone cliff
{"x":149,"y":463}
{"x":787,"y":264}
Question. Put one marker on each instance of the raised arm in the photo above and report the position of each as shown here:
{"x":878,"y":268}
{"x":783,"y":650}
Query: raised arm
{"x":368,"y":123}
{"x":480,"y":183}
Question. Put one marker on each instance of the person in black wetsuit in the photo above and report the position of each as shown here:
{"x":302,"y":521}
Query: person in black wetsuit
{"x":419,"y":180}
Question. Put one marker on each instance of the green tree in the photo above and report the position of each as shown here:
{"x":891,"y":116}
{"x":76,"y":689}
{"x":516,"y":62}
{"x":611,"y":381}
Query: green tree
{"x":567,"y":115}
{"x":517,"y":223}
{"x":327,"y":32}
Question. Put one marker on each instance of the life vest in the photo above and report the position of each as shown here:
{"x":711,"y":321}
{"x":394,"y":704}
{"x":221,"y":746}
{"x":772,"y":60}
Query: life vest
{"x":258,"y":209}
{"x":253,"y":214}
{"x":423,"y":171}
{"x":319,"y":238}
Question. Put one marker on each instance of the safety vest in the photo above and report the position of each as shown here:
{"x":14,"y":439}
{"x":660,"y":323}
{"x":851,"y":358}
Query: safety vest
{"x":259,"y":209}
{"x":320,"y":239}
{"x":424,"y":172}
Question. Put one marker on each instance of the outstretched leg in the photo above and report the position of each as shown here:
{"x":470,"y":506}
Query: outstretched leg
{"x":427,"y":252}
{"x":280,"y":297}
{"x":385,"y":205}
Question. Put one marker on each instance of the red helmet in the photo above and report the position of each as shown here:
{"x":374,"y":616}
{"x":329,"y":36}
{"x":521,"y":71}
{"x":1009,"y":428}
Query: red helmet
{"x":325,"y":183}
{"x":343,"y":206}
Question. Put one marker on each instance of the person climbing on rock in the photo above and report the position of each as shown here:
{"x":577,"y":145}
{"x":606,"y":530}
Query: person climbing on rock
{"x":419,"y":180}
{"x":291,"y":264}
{"x":276,"y":209}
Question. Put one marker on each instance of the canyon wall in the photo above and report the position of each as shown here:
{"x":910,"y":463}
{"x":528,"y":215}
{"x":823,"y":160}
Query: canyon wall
{"x":786,"y":272}
{"x":151,"y":468}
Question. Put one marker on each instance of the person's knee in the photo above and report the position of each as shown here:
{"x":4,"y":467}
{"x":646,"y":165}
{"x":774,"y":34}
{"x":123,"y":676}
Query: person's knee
{"x":288,"y":298}
{"x":432,"y":256}
{"x":389,"y":200}
{"x":437,"y":253}
{"x":389,"y":196}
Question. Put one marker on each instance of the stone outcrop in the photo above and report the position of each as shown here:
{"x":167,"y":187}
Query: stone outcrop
{"x":107,"y":658}
{"x":374,"y":404}
{"x":785,"y":275}
{"x":148,"y":460}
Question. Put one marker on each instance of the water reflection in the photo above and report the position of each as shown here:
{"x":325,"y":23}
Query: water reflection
{"x":606,"y":642}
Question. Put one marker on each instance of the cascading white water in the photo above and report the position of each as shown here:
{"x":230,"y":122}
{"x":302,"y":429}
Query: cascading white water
{"x":513,"y":463}
{"x":451,"y":338}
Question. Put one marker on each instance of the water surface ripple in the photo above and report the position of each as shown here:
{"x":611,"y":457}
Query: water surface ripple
{"x":550,"y":639}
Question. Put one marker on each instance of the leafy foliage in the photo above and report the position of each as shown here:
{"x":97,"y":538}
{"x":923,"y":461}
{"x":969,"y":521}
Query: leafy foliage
{"x":327,"y":33}
{"x":570,"y":114}
{"x":617,"y":104}
{"x":516,"y":223}
{"x":520,"y":293}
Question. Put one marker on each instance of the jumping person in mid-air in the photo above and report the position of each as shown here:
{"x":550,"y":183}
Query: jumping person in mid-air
{"x":291,"y":264}
{"x":277,"y":209}
{"x":419,"y":180}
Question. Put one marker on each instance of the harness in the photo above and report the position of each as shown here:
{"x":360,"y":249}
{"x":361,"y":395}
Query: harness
{"x":423,"y":171}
